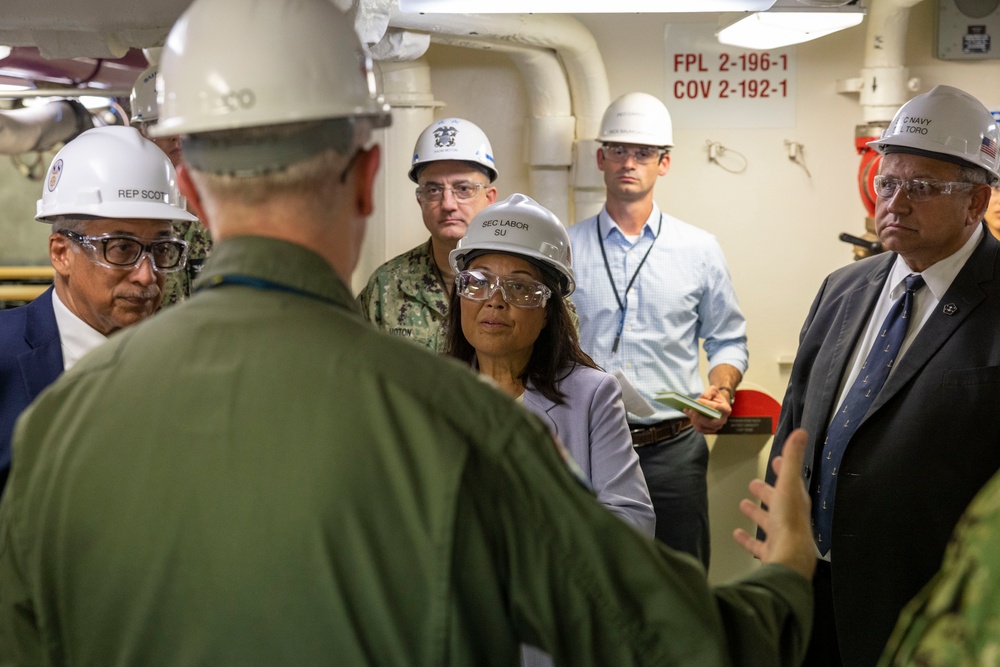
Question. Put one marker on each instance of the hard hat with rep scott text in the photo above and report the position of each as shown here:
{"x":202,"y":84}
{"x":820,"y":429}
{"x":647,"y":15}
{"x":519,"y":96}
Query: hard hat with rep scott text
{"x":519,"y":226}
{"x":230,"y":64}
{"x":453,"y":139}
{"x":948,"y":124}
{"x":111,"y":172}
{"x":637,"y":118}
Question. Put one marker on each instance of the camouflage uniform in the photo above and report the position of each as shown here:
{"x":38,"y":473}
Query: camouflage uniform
{"x":406,"y":297}
{"x":955,"y":619}
{"x":177,"y":286}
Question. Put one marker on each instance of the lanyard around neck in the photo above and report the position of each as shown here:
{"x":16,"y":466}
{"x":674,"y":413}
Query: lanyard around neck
{"x":623,"y":303}
{"x":255,"y":282}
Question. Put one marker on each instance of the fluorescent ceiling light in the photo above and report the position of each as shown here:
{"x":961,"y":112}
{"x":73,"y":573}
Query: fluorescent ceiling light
{"x":775,"y":29}
{"x":580,"y":6}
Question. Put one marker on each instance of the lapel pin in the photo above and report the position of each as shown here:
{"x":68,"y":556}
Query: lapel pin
{"x":949,"y":309}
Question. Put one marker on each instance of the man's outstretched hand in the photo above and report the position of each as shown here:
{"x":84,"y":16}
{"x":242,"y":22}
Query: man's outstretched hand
{"x":784,"y":516}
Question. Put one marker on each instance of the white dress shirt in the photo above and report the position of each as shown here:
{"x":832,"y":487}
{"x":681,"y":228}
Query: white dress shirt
{"x":76,"y":336}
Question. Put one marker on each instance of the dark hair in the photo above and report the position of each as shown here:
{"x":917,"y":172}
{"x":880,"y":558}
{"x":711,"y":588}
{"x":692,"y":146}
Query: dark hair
{"x":555,"y":353}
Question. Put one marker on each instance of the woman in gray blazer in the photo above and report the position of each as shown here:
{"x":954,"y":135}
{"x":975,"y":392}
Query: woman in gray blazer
{"x":509,"y":319}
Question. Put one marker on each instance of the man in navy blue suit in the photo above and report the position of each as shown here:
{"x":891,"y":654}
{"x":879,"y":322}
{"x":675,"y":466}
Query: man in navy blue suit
{"x":111,"y":197}
{"x":888,"y":486}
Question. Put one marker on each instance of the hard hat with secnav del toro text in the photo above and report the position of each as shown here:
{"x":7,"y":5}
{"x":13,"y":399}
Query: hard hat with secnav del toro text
{"x":948,"y":124}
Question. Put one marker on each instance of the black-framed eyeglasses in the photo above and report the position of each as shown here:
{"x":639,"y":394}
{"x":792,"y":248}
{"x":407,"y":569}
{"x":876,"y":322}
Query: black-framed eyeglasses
{"x":479,"y":285}
{"x":641,"y":154}
{"x":463,"y":191}
{"x":918,"y":189}
{"x":117,"y":251}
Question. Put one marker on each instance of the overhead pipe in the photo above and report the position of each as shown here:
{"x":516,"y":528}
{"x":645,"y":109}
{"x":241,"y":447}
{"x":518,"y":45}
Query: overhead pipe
{"x":550,"y":132}
{"x":406,"y":85}
{"x":39,"y":128}
{"x":885,"y":79}
{"x":555,"y":44}
{"x":884,"y":86}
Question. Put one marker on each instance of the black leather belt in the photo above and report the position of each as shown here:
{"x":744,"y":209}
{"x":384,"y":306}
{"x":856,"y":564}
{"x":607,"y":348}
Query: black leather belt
{"x":658,"y":432}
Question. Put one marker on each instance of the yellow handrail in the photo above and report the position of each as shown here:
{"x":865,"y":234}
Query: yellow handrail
{"x":15,"y":273}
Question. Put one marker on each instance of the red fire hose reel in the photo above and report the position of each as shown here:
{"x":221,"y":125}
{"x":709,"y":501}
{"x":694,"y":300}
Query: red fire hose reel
{"x":866,"y":172}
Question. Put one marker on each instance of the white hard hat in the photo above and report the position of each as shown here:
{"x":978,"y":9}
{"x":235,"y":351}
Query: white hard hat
{"x":946,"y":124}
{"x":232,"y":64}
{"x":519,"y":226}
{"x":111,"y":172}
{"x":143,"y":97}
{"x":453,"y":139}
{"x":637,"y":118}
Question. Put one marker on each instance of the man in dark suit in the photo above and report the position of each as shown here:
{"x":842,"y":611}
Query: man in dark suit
{"x":110,"y":196}
{"x":928,"y":439}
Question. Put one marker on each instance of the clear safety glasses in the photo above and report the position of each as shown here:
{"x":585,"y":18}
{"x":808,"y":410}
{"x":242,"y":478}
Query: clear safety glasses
{"x":125,"y":252}
{"x":518,"y":291}
{"x":641,"y":154}
{"x":432,"y":192}
{"x":918,"y":189}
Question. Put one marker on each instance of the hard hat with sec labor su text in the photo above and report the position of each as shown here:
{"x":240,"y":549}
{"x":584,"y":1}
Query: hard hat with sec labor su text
{"x":111,"y":172}
{"x":518,"y":226}
{"x":232,"y":64}
{"x":453,"y":139}
{"x":637,"y":118}
{"x":946,"y":124}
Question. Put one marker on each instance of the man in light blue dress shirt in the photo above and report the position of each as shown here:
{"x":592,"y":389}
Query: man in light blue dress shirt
{"x":649,"y":288}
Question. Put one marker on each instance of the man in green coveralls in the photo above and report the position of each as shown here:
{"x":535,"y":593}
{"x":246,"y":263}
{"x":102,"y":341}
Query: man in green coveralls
{"x":296,"y":488}
{"x":454,"y":169}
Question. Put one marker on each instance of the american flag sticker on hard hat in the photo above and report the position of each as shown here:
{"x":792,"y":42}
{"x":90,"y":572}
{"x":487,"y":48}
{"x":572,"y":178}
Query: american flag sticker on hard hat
{"x":989,"y":147}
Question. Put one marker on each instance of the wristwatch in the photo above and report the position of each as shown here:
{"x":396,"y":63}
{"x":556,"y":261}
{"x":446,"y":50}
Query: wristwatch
{"x":732,"y":394}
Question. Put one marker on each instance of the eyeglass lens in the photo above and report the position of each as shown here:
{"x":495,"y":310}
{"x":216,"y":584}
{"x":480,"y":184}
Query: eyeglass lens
{"x":641,"y":154}
{"x":917,"y":189}
{"x":521,"y":292}
{"x":123,"y":251}
{"x":433,"y":192}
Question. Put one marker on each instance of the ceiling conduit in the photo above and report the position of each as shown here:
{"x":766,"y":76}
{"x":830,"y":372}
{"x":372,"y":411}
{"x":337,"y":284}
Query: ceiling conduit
{"x":885,"y":80}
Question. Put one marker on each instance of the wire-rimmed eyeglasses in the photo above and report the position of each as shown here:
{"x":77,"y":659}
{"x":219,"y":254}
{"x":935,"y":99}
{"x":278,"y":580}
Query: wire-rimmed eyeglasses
{"x":641,"y":154}
{"x":433,"y":192}
{"x":479,"y":285}
{"x":918,"y":189}
{"x":116,"y":251}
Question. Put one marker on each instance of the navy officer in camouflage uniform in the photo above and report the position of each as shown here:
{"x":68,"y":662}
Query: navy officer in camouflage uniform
{"x":955,"y":619}
{"x":454,"y":168}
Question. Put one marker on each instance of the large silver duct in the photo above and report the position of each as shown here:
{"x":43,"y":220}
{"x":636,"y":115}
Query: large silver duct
{"x":42,"y":127}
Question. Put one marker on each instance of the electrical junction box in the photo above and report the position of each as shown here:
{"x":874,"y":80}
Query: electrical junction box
{"x":968,"y":30}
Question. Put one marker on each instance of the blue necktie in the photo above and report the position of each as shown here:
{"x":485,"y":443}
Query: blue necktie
{"x":862,"y":394}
